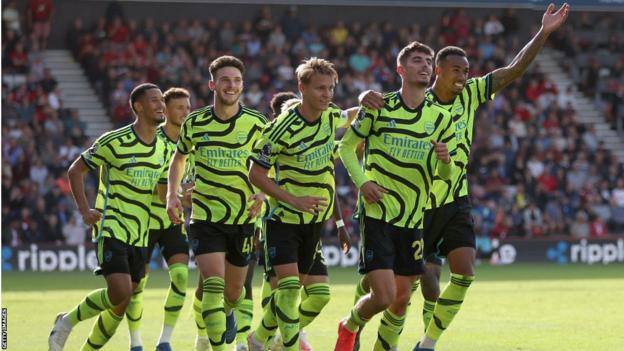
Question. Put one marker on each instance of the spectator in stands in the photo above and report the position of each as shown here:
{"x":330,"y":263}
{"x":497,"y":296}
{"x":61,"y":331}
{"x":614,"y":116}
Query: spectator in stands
{"x":39,"y":15}
{"x":579,"y":229}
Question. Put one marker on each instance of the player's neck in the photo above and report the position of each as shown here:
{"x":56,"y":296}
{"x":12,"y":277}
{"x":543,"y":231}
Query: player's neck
{"x":172,"y":131}
{"x":412,"y":95}
{"x":144,"y":130}
{"x":308,"y":112}
{"x":442,"y":95}
{"x":225,"y":112}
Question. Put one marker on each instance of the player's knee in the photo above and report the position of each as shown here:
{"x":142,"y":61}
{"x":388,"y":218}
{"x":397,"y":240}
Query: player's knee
{"x":232,"y":293}
{"x":180,"y":279}
{"x":120,"y":295}
{"x":383,"y":299}
{"x":320,"y":300}
{"x":403,"y":298}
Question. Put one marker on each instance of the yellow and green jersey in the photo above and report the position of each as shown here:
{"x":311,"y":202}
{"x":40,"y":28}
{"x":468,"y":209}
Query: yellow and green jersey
{"x":398,"y":156}
{"x":302,"y":154}
{"x":476,"y":92}
{"x":159,"y":220}
{"x":129,"y":172}
{"x":221,"y":151}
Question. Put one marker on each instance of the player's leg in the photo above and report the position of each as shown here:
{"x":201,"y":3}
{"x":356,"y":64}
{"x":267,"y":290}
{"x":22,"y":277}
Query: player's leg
{"x":408,"y":265}
{"x":202,"y":343}
{"x":108,"y":321}
{"x":430,"y":287}
{"x":377,"y":262}
{"x":209,"y":245}
{"x":268,"y":323}
{"x":134,"y":312}
{"x":283,"y":251}
{"x":239,"y":251}
{"x":459,"y":247}
{"x":244,"y":312}
{"x":113,"y":259}
{"x":175,"y":251}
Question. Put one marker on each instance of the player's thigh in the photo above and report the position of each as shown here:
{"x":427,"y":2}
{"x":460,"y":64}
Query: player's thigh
{"x":119,"y":288}
{"x":286,"y":270}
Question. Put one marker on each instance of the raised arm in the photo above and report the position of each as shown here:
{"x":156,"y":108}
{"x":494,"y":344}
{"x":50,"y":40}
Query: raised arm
{"x":551,"y":21}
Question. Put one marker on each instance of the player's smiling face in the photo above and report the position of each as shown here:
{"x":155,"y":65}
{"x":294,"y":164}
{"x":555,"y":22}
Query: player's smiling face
{"x":452,"y":73}
{"x":177,"y":110}
{"x":228,"y":85}
{"x":417,"y":68}
{"x":152,"y":106}
{"x":319,"y":91}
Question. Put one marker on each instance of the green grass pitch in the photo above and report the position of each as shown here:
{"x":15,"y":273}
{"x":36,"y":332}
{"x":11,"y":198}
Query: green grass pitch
{"x":519,"y":307}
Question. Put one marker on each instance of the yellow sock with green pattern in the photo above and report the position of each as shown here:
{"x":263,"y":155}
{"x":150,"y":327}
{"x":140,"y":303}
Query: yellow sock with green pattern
{"x":92,"y":305}
{"x":103,"y":329}
{"x":448,"y":305}
{"x":359,"y":290}
{"x":390,"y":328}
{"x":287,"y":311}
{"x":268,"y":325}
{"x":355,"y":321}
{"x":314,"y":298}
{"x":213,"y":312}
{"x":427,"y":313}
{"x":244,"y":316}
{"x":199,"y":320}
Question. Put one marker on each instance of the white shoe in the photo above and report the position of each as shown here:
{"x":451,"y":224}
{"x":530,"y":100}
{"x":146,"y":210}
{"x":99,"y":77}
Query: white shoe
{"x":254,"y":345}
{"x":60,"y":332}
{"x":202,"y":344}
{"x":241,"y":347}
{"x":304,"y":345}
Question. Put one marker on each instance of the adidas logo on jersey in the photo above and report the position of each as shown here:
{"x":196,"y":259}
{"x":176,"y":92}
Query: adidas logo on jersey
{"x":302,"y":146}
{"x":392,"y":123}
{"x":133,"y":159}
{"x":205,"y":137}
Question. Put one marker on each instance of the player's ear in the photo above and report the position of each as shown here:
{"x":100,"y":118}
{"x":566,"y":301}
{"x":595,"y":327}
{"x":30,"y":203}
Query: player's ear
{"x":400,"y":70}
{"x":212,"y":85}
{"x":437,"y":70}
{"x":301,"y":87}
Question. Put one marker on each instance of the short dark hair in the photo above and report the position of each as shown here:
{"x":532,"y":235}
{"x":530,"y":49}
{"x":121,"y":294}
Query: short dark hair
{"x":449,"y":51}
{"x":279,"y":99}
{"x":175,"y":93}
{"x":225,"y":61}
{"x":414,"y":46}
{"x":139,"y":91}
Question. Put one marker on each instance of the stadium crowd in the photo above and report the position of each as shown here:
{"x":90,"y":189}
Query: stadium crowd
{"x":535,"y":171}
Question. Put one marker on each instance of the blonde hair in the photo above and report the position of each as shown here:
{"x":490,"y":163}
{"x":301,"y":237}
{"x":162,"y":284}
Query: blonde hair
{"x":315,"y":65}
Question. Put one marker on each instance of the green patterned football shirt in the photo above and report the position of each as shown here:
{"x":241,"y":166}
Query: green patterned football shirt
{"x":221,"y":151}
{"x":302,"y":155}
{"x":476,"y":93}
{"x":398,"y":156}
{"x":129,"y":172}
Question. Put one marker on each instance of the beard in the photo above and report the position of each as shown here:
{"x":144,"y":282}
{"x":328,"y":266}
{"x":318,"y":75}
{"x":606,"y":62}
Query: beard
{"x":227,"y":100}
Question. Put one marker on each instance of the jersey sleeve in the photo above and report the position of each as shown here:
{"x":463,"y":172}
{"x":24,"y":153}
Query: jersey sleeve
{"x":363,"y":123}
{"x":341,"y":117}
{"x":185,"y":142}
{"x":269,"y":145}
{"x":100,"y":153}
{"x":481,"y":90}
